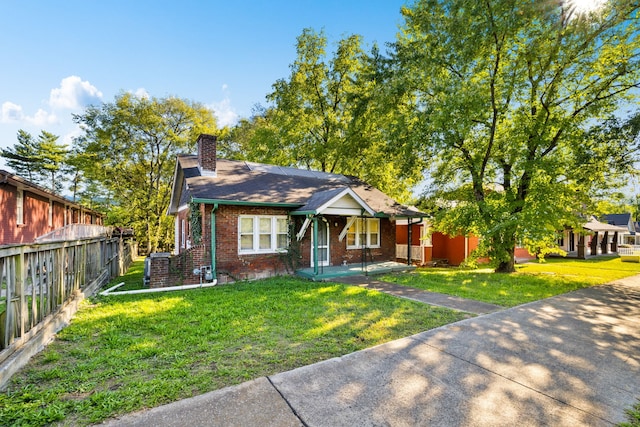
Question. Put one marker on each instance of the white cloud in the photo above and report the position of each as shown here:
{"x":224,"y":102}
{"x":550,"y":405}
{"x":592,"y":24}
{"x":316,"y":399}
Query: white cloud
{"x":12,"y":113}
{"x":42,"y":118}
{"x":224,"y":112}
{"x":74,"y":93}
{"x":141,"y":93}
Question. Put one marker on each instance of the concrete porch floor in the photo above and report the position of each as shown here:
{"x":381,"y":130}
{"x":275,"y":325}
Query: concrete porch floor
{"x":330,"y":272}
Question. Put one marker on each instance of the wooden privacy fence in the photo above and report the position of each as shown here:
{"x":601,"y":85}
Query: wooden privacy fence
{"x":38,"y":280}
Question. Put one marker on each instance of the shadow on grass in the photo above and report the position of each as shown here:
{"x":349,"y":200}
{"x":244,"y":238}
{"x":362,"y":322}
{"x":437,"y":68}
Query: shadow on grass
{"x":124,"y":353}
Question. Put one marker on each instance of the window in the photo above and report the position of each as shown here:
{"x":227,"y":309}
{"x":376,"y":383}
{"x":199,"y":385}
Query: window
{"x":183,"y":235}
{"x":20,"y":207}
{"x":364,"y":232}
{"x":50,"y":213}
{"x":262,"y":234}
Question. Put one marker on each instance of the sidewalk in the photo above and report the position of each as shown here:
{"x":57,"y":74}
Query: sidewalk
{"x":569,"y":360}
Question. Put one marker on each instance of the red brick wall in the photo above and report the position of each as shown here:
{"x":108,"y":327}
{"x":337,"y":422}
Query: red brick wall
{"x":9,"y":232}
{"x":229,"y":263}
{"x":35,"y":216}
{"x":338,"y":251}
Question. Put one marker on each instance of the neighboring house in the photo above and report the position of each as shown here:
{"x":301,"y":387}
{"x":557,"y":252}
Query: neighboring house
{"x":629,"y":237}
{"x":429,"y":247}
{"x":595,"y":238}
{"x":30,"y":211}
{"x":243,"y":220}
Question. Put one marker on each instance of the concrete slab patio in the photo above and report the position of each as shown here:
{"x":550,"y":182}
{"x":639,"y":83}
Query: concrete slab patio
{"x":569,"y":360}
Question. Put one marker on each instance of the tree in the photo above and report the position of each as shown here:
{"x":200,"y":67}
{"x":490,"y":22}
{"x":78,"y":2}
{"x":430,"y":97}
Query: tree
{"x":130,"y":147}
{"x":500,"y":95}
{"x":23,"y":156}
{"x":325,"y":117}
{"x":41,"y":160}
{"x":52,"y":158}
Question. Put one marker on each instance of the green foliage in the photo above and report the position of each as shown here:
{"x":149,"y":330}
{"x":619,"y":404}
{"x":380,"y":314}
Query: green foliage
{"x":195,"y":222}
{"x":42,"y":161}
{"x":129,"y":147}
{"x":504,"y":99}
{"x":633,"y":416}
{"x":328,"y":115}
{"x":125,"y":353}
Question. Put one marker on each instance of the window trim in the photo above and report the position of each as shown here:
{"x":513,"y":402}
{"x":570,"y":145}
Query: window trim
{"x":358,"y":233}
{"x":255,"y":233}
{"x":20,"y":207}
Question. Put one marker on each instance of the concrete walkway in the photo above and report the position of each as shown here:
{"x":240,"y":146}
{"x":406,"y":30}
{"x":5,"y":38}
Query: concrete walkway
{"x":433,"y":298}
{"x":569,"y":360}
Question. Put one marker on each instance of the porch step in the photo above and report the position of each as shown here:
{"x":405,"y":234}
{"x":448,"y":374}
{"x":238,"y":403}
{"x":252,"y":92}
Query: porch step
{"x":332,"y":272}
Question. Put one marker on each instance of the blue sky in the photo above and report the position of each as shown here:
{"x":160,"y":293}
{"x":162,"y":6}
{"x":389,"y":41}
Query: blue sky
{"x":59,"y":56}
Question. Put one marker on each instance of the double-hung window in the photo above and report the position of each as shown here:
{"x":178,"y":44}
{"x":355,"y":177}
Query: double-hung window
{"x":262,"y":234}
{"x":364,"y":232}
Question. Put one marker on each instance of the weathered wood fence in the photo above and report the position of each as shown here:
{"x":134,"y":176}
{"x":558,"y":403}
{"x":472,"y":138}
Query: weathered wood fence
{"x":39,"y":282}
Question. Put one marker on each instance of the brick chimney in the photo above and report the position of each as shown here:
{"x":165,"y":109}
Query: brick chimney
{"x":207,"y":153}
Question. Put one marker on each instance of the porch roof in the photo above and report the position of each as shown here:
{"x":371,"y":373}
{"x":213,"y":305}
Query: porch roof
{"x":595,"y":225}
{"x":338,"y":201}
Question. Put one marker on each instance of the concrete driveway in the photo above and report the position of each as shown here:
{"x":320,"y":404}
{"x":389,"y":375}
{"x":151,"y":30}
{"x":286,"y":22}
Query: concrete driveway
{"x":570,"y":360}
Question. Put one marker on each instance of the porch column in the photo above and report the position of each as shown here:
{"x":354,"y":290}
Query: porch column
{"x":594,"y":244}
{"x":604,"y":245}
{"x":581,"y":248}
{"x":315,"y":246}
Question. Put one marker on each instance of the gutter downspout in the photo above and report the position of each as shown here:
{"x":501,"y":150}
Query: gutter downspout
{"x":213,"y":242}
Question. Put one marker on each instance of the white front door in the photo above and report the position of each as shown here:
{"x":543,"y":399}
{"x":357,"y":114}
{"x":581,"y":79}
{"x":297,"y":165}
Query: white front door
{"x":323,"y":244}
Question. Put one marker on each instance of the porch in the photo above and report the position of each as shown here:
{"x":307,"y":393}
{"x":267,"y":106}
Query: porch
{"x":369,"y":269}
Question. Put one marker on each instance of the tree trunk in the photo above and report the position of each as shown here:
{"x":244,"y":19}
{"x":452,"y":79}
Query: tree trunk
{"x":504,"y":247}
{"x":508,"y":266}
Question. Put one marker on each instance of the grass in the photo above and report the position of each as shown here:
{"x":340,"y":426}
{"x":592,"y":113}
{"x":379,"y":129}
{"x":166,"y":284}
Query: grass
{"x":633,"y":416}
{"x":531,"y":282}
{"x":125,"y":353}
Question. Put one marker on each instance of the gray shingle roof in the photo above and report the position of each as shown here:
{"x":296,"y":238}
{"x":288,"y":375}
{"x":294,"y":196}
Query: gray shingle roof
{"x":253,"y":183}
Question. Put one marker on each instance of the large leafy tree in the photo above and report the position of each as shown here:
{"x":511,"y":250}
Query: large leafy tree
{"x":499,"y":97}
{"x":130,"y":147}
{"x":325,"y":117}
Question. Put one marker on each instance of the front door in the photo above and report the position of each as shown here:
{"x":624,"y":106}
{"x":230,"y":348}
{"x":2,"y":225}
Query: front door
{"x":323,"y":244}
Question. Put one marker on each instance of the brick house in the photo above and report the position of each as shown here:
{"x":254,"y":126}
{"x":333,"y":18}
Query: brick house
{"x":243,"y":220}
{"x":29,"y":211}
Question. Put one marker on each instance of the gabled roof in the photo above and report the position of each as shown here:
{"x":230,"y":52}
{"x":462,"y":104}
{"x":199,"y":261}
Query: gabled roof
{"x":246,"y":183}
{"x":594,"y":225}
{"x":339,"y":201}
{"x":618,"y":219}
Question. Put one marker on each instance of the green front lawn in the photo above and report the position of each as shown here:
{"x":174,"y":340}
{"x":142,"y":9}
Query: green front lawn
{"x":532,"y":281}
{"x":125,"y":353}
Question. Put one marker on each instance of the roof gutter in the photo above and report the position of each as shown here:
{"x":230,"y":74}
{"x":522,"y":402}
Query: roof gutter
{"x":217,"y":202}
